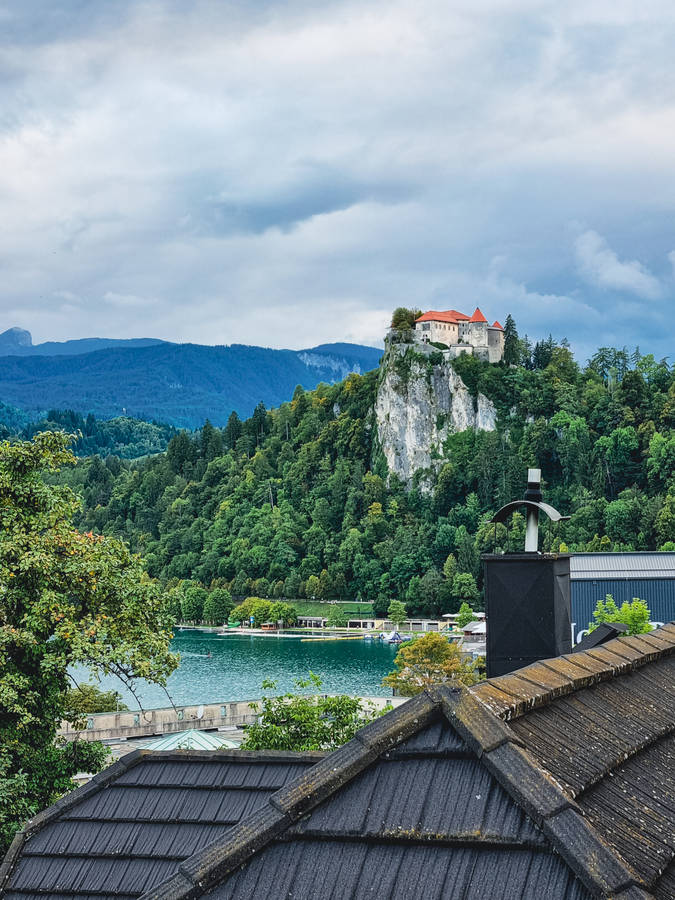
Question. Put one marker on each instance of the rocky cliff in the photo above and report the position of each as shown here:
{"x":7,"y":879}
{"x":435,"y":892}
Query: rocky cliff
{"x":420,"y":401}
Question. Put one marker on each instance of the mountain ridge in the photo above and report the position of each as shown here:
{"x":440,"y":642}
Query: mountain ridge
{"x":17,"y":341}
{"x":180,"y":384}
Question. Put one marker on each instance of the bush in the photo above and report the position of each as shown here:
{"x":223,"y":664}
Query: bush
{"x":292,"y":722}
{"x":635,"y":615}
{"x":87,"y":698}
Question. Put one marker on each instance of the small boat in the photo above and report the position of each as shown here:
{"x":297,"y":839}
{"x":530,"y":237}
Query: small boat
{"x":392,"y":638}
{"x":367,"y":637}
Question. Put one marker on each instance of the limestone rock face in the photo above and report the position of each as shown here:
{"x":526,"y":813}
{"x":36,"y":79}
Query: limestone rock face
{"x":418,"y":405}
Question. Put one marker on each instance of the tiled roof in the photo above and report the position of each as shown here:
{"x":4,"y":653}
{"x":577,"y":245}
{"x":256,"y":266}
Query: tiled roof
{"x":497,"y":325}
{"x":450,"y":315}
{"x":478,"y":316}
{"x":555,"y":781}
{"x":130,"y":828}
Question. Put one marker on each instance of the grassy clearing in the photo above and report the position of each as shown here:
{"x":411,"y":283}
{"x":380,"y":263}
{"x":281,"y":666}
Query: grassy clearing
{"x":316,"y":608}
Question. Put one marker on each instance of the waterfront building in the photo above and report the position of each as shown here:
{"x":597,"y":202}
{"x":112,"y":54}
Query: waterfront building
{"x":555,"y":781}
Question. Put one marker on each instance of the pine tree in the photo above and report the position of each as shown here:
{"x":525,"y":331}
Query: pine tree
{"x":511,"y":342}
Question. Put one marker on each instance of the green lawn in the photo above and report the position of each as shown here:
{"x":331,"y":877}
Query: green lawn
{"x":316,"y":608}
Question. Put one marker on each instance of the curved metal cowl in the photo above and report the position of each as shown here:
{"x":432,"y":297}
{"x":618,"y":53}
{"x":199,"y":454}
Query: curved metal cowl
{"x":506,"y":511}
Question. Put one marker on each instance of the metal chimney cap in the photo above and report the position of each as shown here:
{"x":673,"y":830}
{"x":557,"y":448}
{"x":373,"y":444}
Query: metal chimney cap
{"x":506,"y":511}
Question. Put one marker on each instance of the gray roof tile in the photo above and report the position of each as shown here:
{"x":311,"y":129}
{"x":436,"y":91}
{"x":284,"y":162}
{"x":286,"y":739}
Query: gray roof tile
{"x":318,"y":870}
{"x":469,"y":793}
{"x":129,"y":833}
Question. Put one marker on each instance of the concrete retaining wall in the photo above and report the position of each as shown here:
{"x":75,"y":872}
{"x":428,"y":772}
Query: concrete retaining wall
{"x":150,"y":722}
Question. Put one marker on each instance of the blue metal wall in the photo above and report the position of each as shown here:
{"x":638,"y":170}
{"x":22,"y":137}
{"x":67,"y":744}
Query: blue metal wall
{"x":658,"y":593}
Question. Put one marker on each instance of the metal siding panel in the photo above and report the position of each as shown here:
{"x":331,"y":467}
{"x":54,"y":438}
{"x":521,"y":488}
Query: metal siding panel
{"x":631,"y":565}
{"x":659,"y":596}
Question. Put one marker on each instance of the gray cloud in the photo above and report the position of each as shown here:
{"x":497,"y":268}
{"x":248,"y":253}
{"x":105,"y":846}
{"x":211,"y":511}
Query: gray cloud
{"x":286,"y":173}
{"x":600,"y":265}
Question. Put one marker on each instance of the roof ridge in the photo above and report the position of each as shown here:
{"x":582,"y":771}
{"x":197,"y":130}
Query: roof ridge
{"x":540,"y":796}
{"x":286,"y":806}
{"x":543,"y":681}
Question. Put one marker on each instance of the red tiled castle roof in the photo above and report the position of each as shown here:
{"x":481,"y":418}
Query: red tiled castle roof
{"x":497,"y":325}
{"x":454,"y":317}
{"x":450,"y":315}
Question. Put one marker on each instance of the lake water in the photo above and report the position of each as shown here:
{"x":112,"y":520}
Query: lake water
{"x":239,"y":663}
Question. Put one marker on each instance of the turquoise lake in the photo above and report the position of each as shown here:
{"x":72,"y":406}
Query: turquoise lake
{"x":239,"y":663}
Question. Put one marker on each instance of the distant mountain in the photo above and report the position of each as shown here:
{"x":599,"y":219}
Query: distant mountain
{"x":180,"y":384}
{"x":19,"y":342}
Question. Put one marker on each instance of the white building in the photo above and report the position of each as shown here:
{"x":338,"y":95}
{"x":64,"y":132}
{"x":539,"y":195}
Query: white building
{"x":461,"y":333}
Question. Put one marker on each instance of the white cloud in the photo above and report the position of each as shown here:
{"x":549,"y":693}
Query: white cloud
{"x":600,"y":266}
{"x":671,"y":258}
{"x":128,"y":300}
{"x":287,"y":173}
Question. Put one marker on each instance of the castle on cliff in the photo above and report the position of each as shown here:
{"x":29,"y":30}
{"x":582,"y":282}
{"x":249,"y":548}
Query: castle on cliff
{"x":461,"y":334}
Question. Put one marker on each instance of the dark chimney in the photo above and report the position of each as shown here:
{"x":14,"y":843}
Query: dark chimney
{"x":527,"y":595}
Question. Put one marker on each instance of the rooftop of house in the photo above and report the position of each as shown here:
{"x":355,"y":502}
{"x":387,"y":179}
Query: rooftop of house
{"x":453,"y":317}
{"x":478,"y":316}
{"x":555,"y":781}
{"x":131,"y":827}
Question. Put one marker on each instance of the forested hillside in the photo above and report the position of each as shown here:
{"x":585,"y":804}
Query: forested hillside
{"x":181,"y":384}
{"x":123,"y":437}
{"x":296,"y":501}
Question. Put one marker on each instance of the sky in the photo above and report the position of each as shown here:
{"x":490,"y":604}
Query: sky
{"x":287,"y":173}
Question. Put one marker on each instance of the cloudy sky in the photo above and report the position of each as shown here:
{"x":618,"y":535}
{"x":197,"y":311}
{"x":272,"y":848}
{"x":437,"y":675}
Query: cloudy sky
{"x":286,"y":173}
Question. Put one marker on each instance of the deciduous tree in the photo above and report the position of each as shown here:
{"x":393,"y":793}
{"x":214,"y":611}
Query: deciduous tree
{"x":465,"y":615}
{"x":430,"y":659}
{"x":66,"y":598}
{"x":635,"y":614}
{"x":397,"y":612}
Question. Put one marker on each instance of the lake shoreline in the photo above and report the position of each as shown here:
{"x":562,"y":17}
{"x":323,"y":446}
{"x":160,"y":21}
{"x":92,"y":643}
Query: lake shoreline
{"x":223,"y":667}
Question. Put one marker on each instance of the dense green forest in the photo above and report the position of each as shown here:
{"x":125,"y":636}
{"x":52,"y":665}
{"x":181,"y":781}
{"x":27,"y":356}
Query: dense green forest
{"x":181,"y":384}
{"x":296,"y":501}
{"x":122,"y":437}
